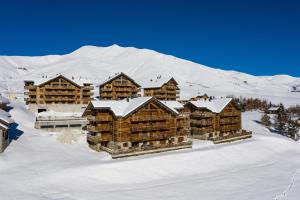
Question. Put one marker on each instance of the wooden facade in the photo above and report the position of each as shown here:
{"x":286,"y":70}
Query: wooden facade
{"x":5,"y":122}
{"x":59,"y":90}
{"x":3,"y":137}
{"x":166,"y":91}
{"x":149,"y":127}
{"x":3,"y":102}
{"x":215,"y":122}
{"x":119,"y":87}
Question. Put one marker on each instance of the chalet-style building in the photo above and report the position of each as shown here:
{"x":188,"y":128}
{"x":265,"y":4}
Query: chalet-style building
{"x":5,"y":122}
{"x":3,"y":102}
{"x":118,"y":87}
{"x":162,"y":89}
{"x":199,"y":97}
{"x":58,"y":90}
{"x":273,"y":110}
{"x":135,"y":126}
{"x":218,"y":120}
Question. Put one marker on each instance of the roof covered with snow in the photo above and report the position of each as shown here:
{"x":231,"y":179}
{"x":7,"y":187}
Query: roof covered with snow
{"x":156,"y":82}
{"x":273,"y":108}
{"x":214,"y":105}
{"x":124,"y":107}
{"x":5,"y":118}
{"x":110,"y":78}
{"x":3,"y":126}
{"x":77,"y":80}
{"x":175,"y":105}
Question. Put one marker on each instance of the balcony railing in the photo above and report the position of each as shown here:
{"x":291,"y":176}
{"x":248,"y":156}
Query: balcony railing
{"x":234,"y":113}
{"x":150,"y":118}
{"x":201,"y":122}
{"x":139,"y":128}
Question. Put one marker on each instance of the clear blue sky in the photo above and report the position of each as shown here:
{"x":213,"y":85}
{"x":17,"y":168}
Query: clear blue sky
{"x":257,"y":37}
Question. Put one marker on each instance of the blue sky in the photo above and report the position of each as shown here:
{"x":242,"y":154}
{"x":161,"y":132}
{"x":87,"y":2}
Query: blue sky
{"x":257,"y":37}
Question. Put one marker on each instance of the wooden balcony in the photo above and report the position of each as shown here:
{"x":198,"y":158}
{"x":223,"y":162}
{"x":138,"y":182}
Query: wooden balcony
{"x":60,"y":99}
{"x":201,"y":122}
{"x":99,"y":137}
{"x":30,"y":93}
{"x":99,"y":118}
{"x":123,"y":89}
{"x":155,"y":127}
{"x":150,"y":136}
{"x":229,"y":121}
{"x":150,"y":118}
{"x":59,"y":87}
{"x":30,"y":99}
{"x":106,"y":95}
{"x":201,"y":115}
{"x":234,"y":113}
{"x":201,"y":130}
{"x":59,"y":93}
{"x":124,"y":84}
{"x":228,"y":128}
{"x":88,"y":87}
{"x":28,"y":87}
{"x":87,"y":93}
{"x":106,"y":90}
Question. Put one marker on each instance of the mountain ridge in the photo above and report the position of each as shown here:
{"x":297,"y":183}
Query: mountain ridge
{"x":97,"y":63}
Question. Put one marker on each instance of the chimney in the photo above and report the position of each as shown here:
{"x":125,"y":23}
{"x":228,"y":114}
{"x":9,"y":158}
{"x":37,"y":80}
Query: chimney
{"x":127,"y":99}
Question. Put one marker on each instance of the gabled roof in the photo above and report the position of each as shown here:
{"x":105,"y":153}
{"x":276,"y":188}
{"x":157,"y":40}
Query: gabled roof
{"x":4,"y":118}
{"x":273,"y":108}
{"x":124,"y":108}
{"x":3,"y":126}
{"x":117,"y":76}
{"x":214,"y":105}
{"x":173,"y":104}
{"x":157,"y":82}
{"x":43,"y":81}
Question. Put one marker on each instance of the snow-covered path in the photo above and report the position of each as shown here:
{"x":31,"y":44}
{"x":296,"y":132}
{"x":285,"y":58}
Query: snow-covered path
{"x":38,"y":167}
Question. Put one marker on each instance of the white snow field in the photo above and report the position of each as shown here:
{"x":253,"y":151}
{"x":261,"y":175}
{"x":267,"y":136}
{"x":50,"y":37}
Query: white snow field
{"x":37,"y":166}
{"x":98,"y":63}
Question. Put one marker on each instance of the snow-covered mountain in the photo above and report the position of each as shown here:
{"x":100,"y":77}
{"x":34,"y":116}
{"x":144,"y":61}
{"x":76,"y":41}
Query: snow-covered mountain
{"x":97,"y":63}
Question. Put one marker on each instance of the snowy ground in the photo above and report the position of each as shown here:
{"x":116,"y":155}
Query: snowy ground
{"x":38,"y":167}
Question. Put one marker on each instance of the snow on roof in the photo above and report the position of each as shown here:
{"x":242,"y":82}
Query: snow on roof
{"x":156,"y":82}
{"x":3,"y":100}
{"x":214,"y":105}
{"x":123,"y":107}
{"x":3,"y":126}
{"x":5,"y":118}
{"x":111,"y":77}
{"x":78,"y":80}
{"x":274,"y":108}
{"x":174,"y":105}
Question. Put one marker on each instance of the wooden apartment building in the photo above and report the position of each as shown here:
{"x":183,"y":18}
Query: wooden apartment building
{"x":162,"y":89}
{"x":119,"y":87}
{"x":135,"y":126}
{"x":3,"y":102}
{"x":5,"y":122}
{"x":58,"y":90}
{"x":215,"y":119}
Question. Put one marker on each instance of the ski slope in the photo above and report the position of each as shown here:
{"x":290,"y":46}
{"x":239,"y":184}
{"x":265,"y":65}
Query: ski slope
{"x":37,"y":166}
{"x":98,"y":63}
